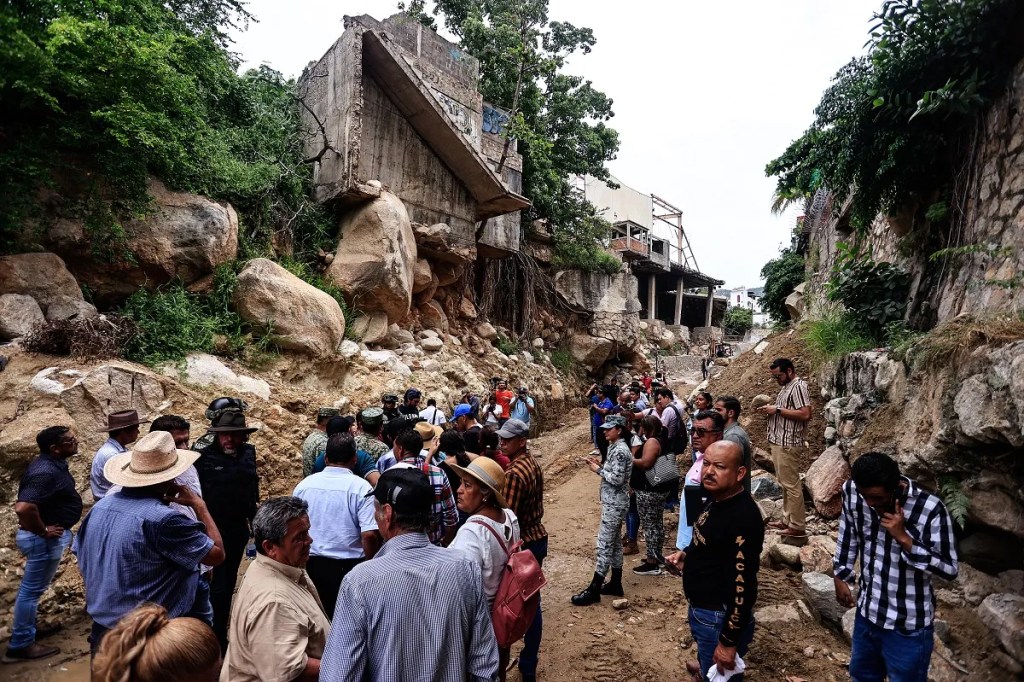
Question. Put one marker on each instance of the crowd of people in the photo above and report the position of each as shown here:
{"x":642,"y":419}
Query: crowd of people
{"x":385,"y":561}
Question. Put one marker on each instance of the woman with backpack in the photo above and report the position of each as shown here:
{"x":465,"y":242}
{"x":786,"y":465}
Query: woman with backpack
{"x":491,"y":530}
{"x":615,"y":474}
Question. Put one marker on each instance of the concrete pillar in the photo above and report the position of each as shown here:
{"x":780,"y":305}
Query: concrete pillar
{"x":678,"y":317}
{"x":710,"y":306}
{"x":652,"y":298}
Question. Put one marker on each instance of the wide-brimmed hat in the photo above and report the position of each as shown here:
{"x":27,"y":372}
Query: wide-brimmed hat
{"x":231,"y":422}
{"x":122,"y":420}
{"x":488,"y":473}
{"x":154,"y":459}
{"x":427,"y":432}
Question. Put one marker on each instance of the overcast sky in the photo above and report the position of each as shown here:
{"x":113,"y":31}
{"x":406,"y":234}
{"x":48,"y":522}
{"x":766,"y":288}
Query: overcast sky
{"x":706,"y":93}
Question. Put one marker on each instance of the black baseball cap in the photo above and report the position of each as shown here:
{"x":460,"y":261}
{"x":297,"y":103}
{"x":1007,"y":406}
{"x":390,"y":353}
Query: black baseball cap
{"x":407,"y":489}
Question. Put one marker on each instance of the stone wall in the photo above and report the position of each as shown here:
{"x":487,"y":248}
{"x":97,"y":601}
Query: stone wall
{"x":989,"y":281}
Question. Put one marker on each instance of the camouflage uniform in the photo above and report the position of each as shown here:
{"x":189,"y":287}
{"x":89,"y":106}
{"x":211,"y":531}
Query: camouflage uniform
{"x":371,"y":446}
{"x":614,"y":505}
{"x":314,"y":444}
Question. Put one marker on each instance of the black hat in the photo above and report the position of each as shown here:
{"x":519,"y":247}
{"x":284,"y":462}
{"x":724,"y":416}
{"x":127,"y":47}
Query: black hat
{"x":389,"y":398}
{"x":230,"y":421}
{"x":406,"y":489}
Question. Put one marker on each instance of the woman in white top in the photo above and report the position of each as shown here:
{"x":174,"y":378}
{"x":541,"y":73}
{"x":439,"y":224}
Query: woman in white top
{"x":492,"y":411}
{"x":479,"y":495}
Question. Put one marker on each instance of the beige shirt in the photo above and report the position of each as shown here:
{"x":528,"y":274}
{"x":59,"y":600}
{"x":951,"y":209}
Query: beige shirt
{"x":277,"y":624}
{"x":783,"y":430}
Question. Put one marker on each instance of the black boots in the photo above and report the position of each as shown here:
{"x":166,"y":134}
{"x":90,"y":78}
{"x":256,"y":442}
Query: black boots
{"x":592,"y":594}
{"x":613,"y":587}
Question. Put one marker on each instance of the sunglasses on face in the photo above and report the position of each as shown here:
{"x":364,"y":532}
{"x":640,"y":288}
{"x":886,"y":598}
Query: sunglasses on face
{"x":703,"y":432}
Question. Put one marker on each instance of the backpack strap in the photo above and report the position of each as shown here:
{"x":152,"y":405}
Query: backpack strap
{"x":497,"y":537}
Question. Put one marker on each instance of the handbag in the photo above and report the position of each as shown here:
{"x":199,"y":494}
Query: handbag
{"x":664,"y":470}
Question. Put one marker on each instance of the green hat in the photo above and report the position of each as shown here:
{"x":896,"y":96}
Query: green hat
{"x":327,"y":413}
{"x":614,"y":420}
{"x":372,"y":416}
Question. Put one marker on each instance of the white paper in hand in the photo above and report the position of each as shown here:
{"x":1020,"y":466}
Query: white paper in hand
{"x":715,"y":676}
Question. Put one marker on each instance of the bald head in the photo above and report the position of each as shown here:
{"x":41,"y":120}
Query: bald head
{"x":722,"y":471}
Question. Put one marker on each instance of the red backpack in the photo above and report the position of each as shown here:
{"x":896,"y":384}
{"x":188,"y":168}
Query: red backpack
{"x":518,"y":596}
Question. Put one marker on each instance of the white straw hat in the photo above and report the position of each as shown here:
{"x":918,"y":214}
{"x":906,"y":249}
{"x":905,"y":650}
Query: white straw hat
{"x":154,"y":459}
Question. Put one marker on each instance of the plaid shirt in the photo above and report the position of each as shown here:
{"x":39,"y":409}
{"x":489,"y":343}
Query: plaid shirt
{"x":783,"y":430}
{"x":895,"y":585}
{"x":524,"y":493}
{"x":446,"y":514}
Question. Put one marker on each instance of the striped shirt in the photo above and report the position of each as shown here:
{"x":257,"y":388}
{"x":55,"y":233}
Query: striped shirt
{"x":895,"y":585}
{"x":414,"y":613}
{"x":134,"y":549}
{"x":524,"y":493}
{"x":783,"y":430}
{"x":445,"y":513}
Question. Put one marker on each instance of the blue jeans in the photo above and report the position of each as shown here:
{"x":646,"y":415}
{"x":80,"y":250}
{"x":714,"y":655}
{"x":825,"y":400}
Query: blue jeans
{"x":43,"y":557}
{"x":531,"y":642}
{"x":632,"y":520}
{"x":902,"y":656}
{"x":705,"y":627}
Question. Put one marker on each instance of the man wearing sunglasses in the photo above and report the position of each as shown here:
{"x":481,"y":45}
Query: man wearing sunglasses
{"x":707,"y":428}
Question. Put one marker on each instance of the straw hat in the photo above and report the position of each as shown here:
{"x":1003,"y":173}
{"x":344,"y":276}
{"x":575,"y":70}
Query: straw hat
{"x":488,"y":473}
{"x":154,"y":459}
{"x":428,"y":432}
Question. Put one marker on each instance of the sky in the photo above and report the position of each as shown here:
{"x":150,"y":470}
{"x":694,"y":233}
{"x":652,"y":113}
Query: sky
{"x":705,"y":95}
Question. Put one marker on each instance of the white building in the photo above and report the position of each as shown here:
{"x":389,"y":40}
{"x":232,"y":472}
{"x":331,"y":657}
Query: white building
{"x":744,"y":297}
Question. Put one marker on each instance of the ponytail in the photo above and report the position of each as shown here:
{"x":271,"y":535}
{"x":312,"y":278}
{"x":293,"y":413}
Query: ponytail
{"x":149,"y":646}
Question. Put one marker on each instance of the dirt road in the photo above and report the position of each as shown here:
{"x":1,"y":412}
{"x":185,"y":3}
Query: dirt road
{"x":649,"y":640}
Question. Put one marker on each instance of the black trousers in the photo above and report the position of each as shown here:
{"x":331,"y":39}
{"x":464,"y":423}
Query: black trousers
{"x":222,"y":584}
{"x":327,"y":574}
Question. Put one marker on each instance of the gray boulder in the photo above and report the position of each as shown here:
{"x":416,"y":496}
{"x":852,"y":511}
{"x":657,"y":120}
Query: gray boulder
{"x":820,"y":592}
{"x":1004,"y":616}
{"x":43,"y":276}
{"x":18,"y":314}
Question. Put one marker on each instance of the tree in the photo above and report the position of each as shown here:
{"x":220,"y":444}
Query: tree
{"x":558,"y":120}
{"x":738,"y":320}
{"x":781,"y":275}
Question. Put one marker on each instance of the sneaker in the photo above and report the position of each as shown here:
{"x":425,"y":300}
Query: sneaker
{"x":31,"y":652}
{"x":646,"y":568}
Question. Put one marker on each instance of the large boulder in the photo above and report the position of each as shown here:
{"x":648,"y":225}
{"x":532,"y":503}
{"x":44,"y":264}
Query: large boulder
{"x":591,"y":351}
{"x":295,"y":314}
{"x":185,"y":238}
{"x":64,"y":308}
{"x":18,"y":437}
{"x":820,"y":592}
{"x":441,"y":243}
{"x":376,"y":257}
{"x":432,"y":316}
{"x":43,"y":276}
{"x":1004,"y":616}
{"x":18,"y":314}
{"x":371,"y":327}
{"x":795,"y":304}
{"x":825,"y":479}
{"x":206,"y":370}
{"x":110,"y":388}
{"x":984,"y":408}
{"x":422,"y":277}
{"x":993,"y":503}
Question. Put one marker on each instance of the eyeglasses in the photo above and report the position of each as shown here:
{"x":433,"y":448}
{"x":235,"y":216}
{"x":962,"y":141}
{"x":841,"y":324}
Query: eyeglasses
{"x":703,"y":432}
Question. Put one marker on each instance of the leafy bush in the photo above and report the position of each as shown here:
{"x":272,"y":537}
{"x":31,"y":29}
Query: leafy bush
{"x":171,"y":324}
{"x":562,"y":360}
{"x":836,"y":335}
{"x":889,"y":131}
{"x":738,"y":320}
{"x":875,"y":293}
{"x":506,"y":345}
{"x":955,"y":499}
{"x":781,"y":275}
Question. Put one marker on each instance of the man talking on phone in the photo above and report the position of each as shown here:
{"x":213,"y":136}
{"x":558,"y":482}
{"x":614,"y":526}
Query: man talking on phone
{"x":903,"y":536}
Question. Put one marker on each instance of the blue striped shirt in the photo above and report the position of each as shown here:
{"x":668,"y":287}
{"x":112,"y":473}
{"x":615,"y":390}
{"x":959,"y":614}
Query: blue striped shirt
{"x":134,"y":549}
{"x":415,"y":612}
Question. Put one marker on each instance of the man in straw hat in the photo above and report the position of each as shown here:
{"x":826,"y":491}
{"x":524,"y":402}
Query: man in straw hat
{"x":231,"y":487}
{"x":414,"y":611}
{"x":134,"y":548}
{"x":123,"y":430}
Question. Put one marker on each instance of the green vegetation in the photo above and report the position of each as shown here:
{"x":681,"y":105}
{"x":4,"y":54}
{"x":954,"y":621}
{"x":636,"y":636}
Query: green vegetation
{"x":956,"y":500}
{"x":895,"y":126}
{"x":874,"y":293}
{"x":738,"y":321}
{"x":557,"y":120}
{"x":506,"y":345}
{"x":781,"y":275}
{"x":954,"y":339}
{"x":562,"y":359}
{"x":834,"y":336}
{"x":129,"y":89}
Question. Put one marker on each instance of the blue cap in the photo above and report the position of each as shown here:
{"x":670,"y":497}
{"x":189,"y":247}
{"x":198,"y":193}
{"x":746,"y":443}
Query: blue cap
{"x":462,"y":410}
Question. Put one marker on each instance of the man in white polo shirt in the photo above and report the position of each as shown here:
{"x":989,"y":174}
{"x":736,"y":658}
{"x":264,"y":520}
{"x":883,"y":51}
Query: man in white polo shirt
{"x":341,"y":520}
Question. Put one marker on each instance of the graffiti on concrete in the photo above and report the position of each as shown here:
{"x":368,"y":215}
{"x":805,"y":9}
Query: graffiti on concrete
{"x":494,"y":120}
{"x":459,"y":116}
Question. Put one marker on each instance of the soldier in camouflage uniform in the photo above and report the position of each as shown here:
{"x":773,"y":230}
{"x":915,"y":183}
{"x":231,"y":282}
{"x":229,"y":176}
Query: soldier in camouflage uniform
{"x":316,"y":442}
{"x":370,"y":422}
{"x":614,"y":475}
